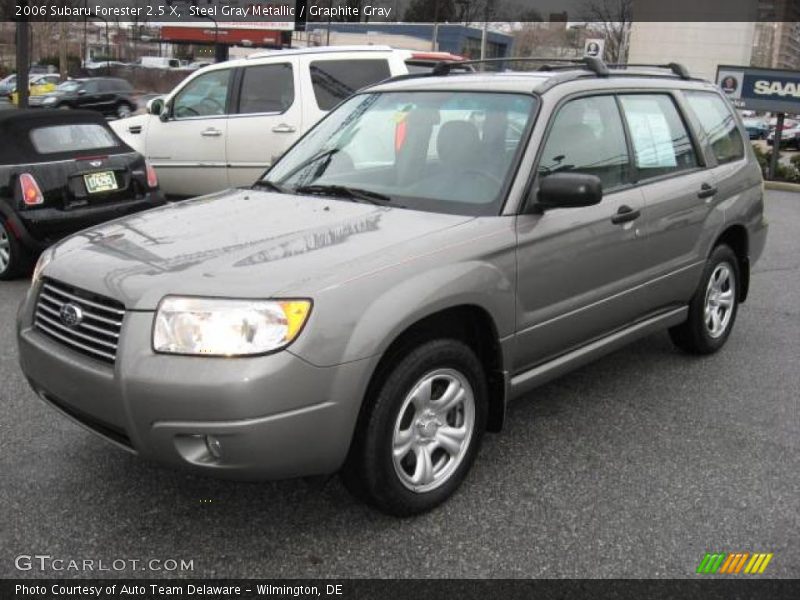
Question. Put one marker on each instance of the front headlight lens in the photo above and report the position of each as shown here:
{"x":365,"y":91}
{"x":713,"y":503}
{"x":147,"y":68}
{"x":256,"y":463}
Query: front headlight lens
{"x":49,"y":100}
{"x":220,"y":327}
{"x":44,"y":260}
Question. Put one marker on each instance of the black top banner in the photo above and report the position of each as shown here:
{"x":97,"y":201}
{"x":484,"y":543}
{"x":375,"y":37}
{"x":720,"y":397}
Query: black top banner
{"x":298,"y":12}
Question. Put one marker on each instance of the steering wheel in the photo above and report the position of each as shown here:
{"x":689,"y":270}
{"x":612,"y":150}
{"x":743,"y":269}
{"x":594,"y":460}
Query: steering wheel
{"x":186,"y":111}
{"x":216,"y":105}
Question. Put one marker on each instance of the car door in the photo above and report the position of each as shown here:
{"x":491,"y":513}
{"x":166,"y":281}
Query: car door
{"x":89,"y":95}
{"x":580,"y":270}
{"x":187,"y":149}
{"x":267,"y":120}
{"x":678,"y":194}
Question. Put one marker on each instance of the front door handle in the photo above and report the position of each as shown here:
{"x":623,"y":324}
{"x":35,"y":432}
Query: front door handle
{"x":706,"y":191}
{"x":211,"y":132}
{"x":625,"y":214}
{"x":284,"y":128}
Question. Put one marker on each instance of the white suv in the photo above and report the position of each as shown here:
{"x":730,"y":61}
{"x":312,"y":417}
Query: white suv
{"x":224,"y":125}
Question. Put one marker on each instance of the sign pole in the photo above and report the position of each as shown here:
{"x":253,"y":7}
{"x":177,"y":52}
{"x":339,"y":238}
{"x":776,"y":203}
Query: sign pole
{"x":776,"y":146}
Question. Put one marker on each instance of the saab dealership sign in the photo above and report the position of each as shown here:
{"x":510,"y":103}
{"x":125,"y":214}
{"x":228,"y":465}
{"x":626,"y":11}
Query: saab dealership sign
{"x":774,"y":90}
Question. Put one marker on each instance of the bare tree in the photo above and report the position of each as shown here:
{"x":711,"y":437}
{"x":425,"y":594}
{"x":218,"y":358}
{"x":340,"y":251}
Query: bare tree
{"x":612,"y":20}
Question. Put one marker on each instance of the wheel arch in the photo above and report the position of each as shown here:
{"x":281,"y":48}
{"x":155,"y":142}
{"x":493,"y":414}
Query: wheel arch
{"x":469,"y":323}
{"x":735,"y":236}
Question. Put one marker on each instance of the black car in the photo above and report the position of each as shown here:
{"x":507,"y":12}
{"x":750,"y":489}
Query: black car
{"x":110,"y":96}
{"x":61,"y":172}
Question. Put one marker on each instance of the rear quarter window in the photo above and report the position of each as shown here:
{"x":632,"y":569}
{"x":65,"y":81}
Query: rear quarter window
{"x":660,"y":140}
{"x":55,"y":139}
{"x":717,"y":120}
{"x":335,"y":80}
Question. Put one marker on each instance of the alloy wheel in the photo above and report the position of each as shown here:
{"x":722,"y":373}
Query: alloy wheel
{"x":720,"y":298}
{"x":433,"y":430}
{"x":5,"y":248}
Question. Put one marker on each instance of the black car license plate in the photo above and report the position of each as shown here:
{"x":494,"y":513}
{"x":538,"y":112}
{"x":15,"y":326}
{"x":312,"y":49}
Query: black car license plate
{"x":103,"y":181}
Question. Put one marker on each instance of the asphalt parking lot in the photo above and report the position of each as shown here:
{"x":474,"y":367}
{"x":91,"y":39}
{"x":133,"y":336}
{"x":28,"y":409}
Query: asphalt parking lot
{"x":634,"y":466}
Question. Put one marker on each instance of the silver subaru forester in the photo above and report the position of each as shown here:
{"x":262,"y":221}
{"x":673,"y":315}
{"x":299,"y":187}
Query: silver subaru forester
{"x":433,"y":248}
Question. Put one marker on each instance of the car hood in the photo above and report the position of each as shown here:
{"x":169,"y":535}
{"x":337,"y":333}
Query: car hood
{"x":241,"y":243}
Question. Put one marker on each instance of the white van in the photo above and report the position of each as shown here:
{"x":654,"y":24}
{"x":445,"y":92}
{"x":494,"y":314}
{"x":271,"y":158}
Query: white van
{"x":160,"y":62}
{"x":224,"y":125}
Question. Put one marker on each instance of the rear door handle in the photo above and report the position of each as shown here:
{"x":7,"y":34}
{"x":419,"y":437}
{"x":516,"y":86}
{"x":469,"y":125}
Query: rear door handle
{"x":706,"y":191}
{"x":625,"y":214}
{"x":283,"y":128}
{"x":211,"y":132}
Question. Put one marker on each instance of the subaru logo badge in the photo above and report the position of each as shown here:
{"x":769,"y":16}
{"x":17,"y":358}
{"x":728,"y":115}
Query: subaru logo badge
{"x":95,"y":163}
{"x":71,"y":315}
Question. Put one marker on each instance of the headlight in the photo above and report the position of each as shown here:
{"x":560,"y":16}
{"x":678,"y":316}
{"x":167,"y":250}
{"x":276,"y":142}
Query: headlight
{"x":220,"y":327}
{"x":49,"y":100}
{"x":43,"y":261}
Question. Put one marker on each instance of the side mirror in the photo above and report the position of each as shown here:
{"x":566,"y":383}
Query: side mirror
{"x":155,"y":106}
{"x":568,"y":190}
{"x":81,"y":92}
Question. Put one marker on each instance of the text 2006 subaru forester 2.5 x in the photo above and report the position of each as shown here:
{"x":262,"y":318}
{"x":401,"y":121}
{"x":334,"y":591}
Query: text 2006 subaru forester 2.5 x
{"x":436,"y":246}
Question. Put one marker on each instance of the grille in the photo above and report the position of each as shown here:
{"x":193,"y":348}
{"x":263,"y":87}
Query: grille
{"x":96,"y":333}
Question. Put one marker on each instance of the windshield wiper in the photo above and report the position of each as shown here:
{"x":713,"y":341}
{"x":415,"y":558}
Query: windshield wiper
{"x":265,"y":183}
{"x":343,"y":190}
{"x":327,"y":155}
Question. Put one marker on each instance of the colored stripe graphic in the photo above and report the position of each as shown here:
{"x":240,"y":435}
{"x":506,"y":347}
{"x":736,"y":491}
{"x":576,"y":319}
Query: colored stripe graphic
{"x":711,"y":563}
{"x":723,"y":563}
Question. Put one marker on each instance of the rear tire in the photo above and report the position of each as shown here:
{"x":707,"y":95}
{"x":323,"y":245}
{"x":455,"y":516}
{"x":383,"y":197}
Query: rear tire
{"x":420,"y":431}
{"x":14,"y":259}
{"x":712,"y":311}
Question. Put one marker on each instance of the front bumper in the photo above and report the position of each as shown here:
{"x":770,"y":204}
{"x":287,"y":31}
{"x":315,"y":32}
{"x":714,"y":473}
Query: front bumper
{"x":274,"y":416}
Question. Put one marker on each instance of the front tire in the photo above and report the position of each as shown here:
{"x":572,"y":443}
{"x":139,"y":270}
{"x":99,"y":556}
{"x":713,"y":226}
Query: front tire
{"x":421,"y":430}
{"x":712,"y":311}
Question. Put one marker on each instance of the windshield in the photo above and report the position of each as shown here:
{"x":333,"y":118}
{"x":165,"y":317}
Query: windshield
{"x":448,"y":152}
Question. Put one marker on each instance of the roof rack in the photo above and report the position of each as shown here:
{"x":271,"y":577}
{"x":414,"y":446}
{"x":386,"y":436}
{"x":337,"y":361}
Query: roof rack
{"x":676,"y":68}
{"x":597,"y":66}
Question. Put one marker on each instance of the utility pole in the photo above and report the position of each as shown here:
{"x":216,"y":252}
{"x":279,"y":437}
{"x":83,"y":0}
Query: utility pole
{"x":485,"y":33}
{"x":23,"y":59}
{"x":62,"y":50}
{"x":435,"y":38}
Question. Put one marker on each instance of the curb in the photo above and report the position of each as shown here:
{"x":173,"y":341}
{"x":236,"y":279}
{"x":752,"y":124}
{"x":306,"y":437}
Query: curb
{"x":782,"y":186}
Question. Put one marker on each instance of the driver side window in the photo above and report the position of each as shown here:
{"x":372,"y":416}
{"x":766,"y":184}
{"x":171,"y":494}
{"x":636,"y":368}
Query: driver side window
{"x":587,"y":136}
{"x":205,"y":96}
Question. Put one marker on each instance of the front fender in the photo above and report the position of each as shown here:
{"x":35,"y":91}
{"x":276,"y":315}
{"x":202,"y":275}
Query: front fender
{"x":385,"y":315}
{"x":127,"y":129}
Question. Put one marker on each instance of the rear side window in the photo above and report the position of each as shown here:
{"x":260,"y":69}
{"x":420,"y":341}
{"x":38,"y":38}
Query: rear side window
{"x":120,"y":85}
{"x":661,"y":143}
{"x":335,"y":80}
{"x":719,"y":124}
{"x":64,"y":138}
{"x":266,"y":89}
{"x":587,"y":137}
